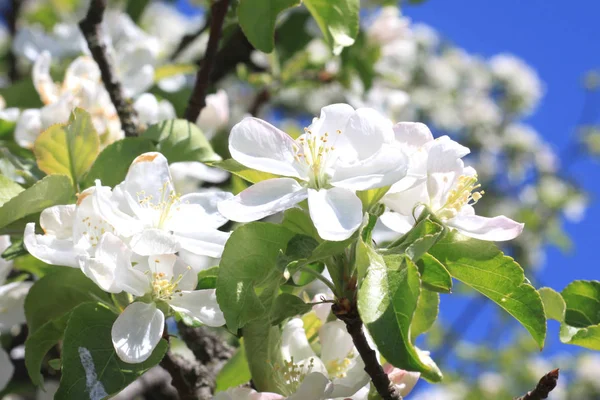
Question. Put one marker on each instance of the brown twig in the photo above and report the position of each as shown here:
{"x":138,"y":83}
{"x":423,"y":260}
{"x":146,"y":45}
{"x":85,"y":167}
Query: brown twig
{"x":189,"y":38}
{"x":190,"y":378}
{"x":11,"y":16}
{"x":198,"y":98}
{"x":349,"y":315}
{"x":261,"y":98}
{"x":546,"y":384}
{"x":90,"y":27}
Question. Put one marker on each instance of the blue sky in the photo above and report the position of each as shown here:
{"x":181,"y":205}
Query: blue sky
{"x":559,"y":40}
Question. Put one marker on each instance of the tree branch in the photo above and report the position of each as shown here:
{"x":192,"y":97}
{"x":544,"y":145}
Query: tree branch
{"x":198,"y":98}
{"x":11,"y":16}
{"x":189,"y":38}
{"x":261,"y":98}
{"x":349,"y":315}
{"x":191,"y":379}
{"x":90,"y":27}
{"x":208,"y":347}
{"x":546,"y":384}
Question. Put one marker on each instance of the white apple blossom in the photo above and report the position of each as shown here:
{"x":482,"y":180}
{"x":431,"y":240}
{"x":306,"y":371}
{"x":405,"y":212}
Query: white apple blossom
{"x":155,"y":219}
{"x":82,"y":87}
{"x":520,"y":81}
{"x":337,"y":373}
{"x":343,"y":151}
{"x":438,"y":179}
{"x":188,"y":175}
{"x":69,"y":231}
{"x":215,"y":115}
{"x":12,"y":295}
{"x":162,"y":278}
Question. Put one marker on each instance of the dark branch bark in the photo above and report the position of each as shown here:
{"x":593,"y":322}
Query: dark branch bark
{"x":208,"y":347}
{"x":90,"y":27}
{"x":349,"y":315}
{"x":198,"y":98}
{"x":11,"y":16}
{"x":192,"y":380}
{"x":189,"y":38}
{"x":154,"y":384}
{"x":236,"y":50}
{"x":546,"y":384}
{"x":261,"y":98}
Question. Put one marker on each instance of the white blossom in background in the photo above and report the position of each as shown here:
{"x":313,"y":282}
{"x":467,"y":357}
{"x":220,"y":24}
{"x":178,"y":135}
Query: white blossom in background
{"x":65,"y":40}
{"x":12,"y":295}
{"x":519,"y":80}
{"x":155,"y":219}
{"x":139,"y":328}
{"x":215,"y":115}
{"x":10,"y":114}
{"x":246,"y":394}
{"x":343,"y":151}
{"x":438,"y":179}
{"x":82,"y":87}
{"x":189,"y":175}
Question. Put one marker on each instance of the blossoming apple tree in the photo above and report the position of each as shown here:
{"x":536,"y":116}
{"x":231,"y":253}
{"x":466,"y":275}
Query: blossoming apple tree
{"x":156,"y":215}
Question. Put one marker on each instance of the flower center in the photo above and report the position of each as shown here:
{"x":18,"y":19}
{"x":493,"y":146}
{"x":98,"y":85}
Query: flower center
{"x":464,"y":192}
{"x":316,"y":153}
{"x":338,"y":368}
{"x":164,"y":288}
{"x":94,"y":229}
{"x":290,"y":375}
{"x":169,"y":200}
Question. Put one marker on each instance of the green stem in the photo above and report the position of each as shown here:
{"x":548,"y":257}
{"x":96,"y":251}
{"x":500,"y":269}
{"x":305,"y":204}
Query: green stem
{"x":320,"y":277}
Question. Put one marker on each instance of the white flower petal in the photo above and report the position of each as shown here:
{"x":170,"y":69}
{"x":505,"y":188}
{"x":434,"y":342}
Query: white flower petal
{"x":137,"y":331}
{"x":405,"y":202}
{"x":262,"y":199}
{"x":6,"y":369}
{"x":198,"y":210}
{"x":496,"y":229}
{"x":154,"y":241}
{"x":384,"y":168}
{"x":51,"y":250}
{"x":397,"y":222}
{"x":12,"y":304}
{"x":123,"y":223}
{"x":111,"y":268}
{"x":444,"y":166}
{"x":186,"y":170}
{"x":162,"y":264}
{"x":200,"y":305}
{"x":58,"y":221}
{"x":336,"y":342}
{"x":315,"y":386}
{"x":148,"y":177}
{"x":209,"y":242}
{"x":336,"y":212}
{"x":367,"y":130}
{"x":43,"y":82}
{"x":412,"y":135}
{"x":146,"y":106}
{"x":215,"y":114}
{"x":259,"y":145}
{"x":28,"y":128}
{"x":355,"y":379}
{"x":294,"y":343}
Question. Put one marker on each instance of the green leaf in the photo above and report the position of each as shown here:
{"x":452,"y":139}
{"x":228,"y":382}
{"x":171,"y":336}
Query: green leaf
{"x":338,"y":20}
{"x":57,"y":293}
{"x":113,"y":162}
{"x":69,"y":149}
{"x":16,"y":249}
{"x":298,"y":220}
{"x":249,"y":263}
{"x":387,"y":300}
{"x":257,"y":19}
{"x":21,"y":94}
{"x":48,"y":192}
{"x":39,"y":343}
{"x":8,"y":189}
{"x":426,"y":313}
{"x":369,"y":198}
{"x":169,"y":70}
{"x":287,"y":305}
{"x":418,"y":240}
{"x":582,"y":300}
{"x":135,"y":8}
{"x":207,"y":279}
{"x":554,"y":304}
{"x":251,"y":175}
{"x":482,"y":266}
{"x":263,"y":351}
{"x":180,"y":140}
{"x":89,"y":361}
{"x":235,"y":372}
{"x":434,"y":276}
